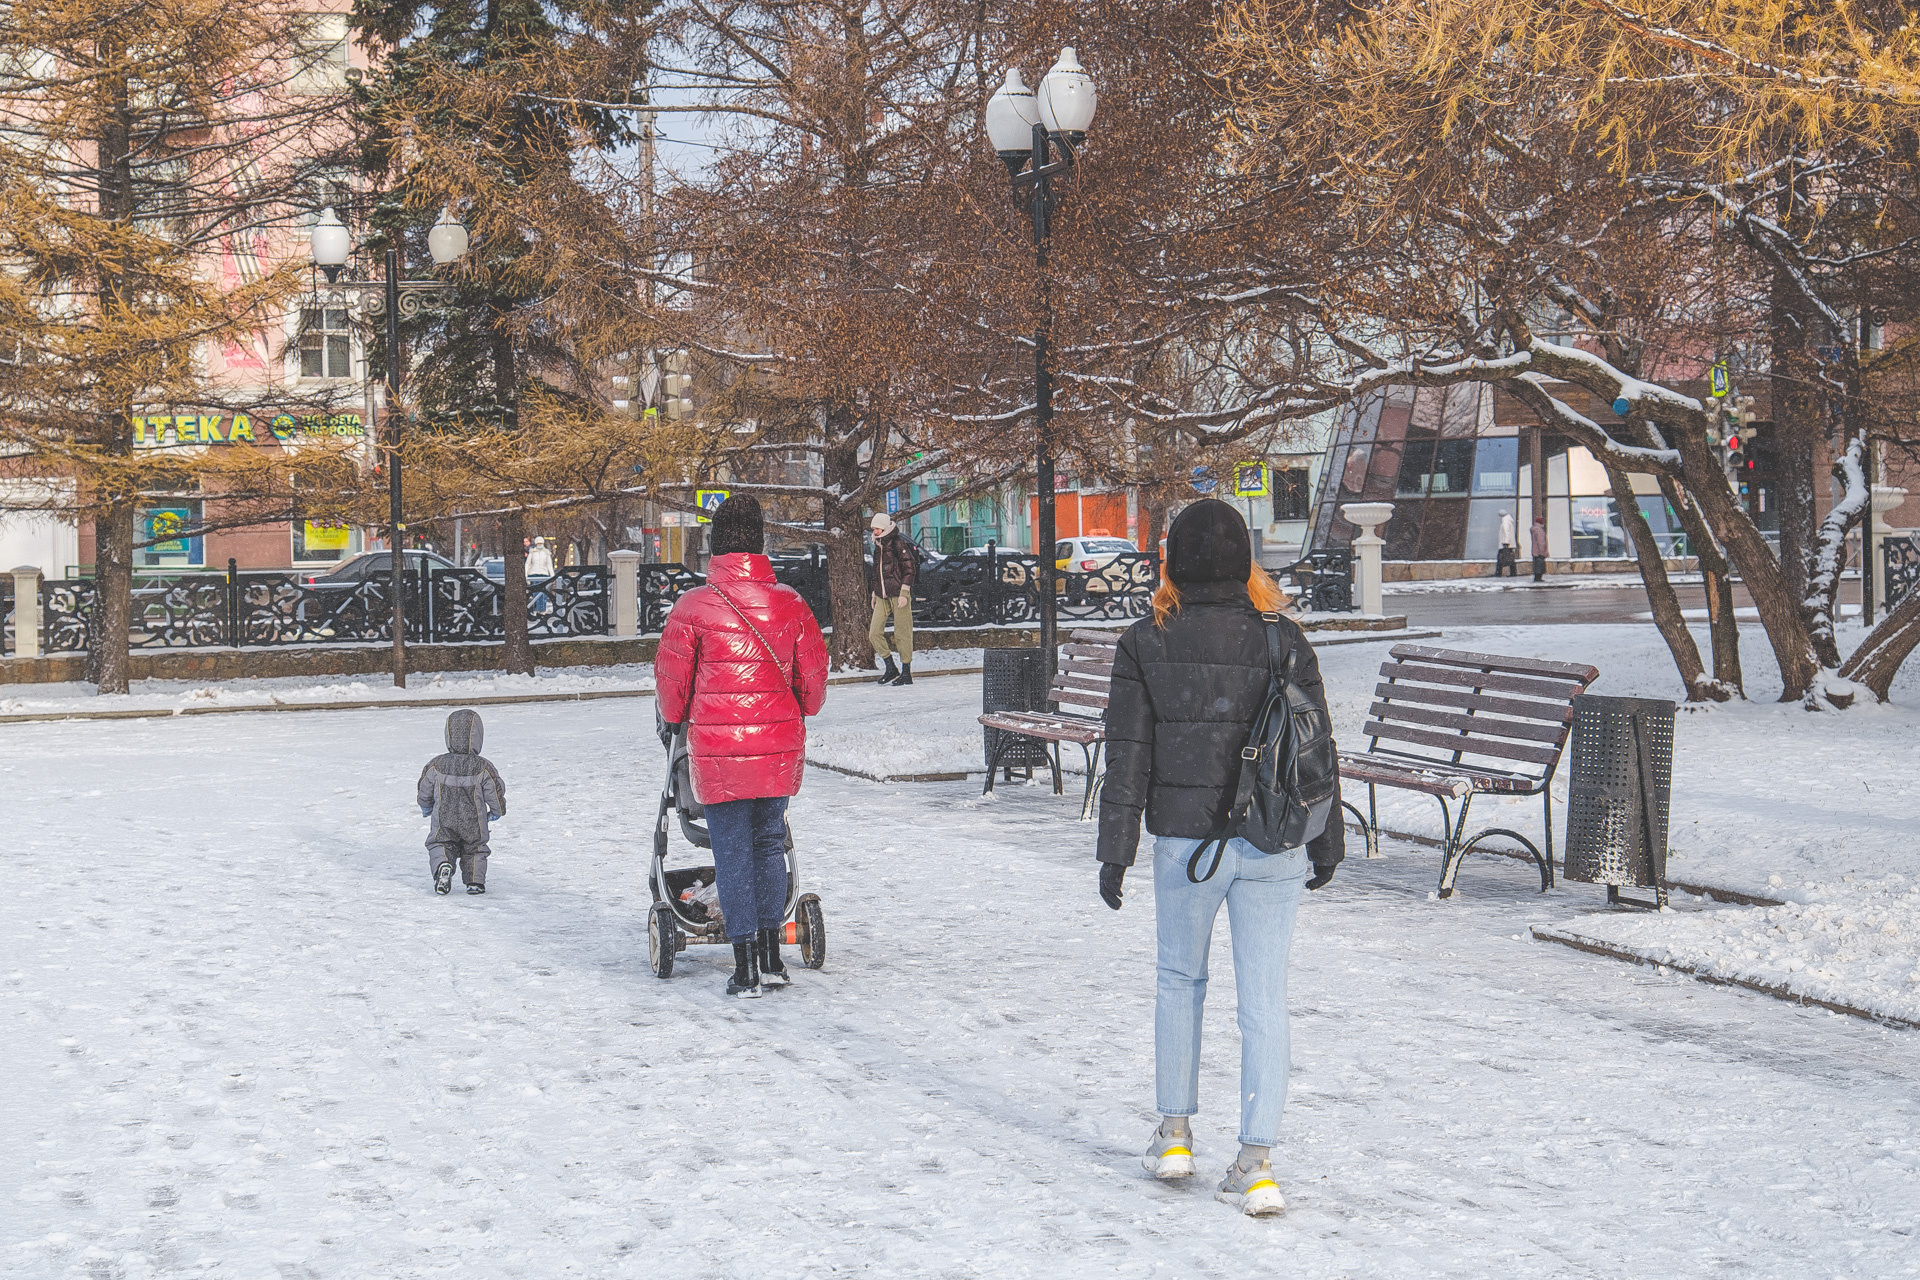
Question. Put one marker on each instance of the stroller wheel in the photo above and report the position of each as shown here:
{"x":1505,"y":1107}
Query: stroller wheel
{"x":663,"y":939}
{"x":813,"y":931}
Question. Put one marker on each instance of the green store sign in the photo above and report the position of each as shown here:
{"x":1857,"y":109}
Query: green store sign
{"x":201,"y":428}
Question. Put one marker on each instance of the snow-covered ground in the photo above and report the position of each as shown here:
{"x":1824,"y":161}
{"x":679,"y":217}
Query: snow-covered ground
{"x":246,"y":1040}
{"x":187,"y":695}
{"x":1587,"y":581}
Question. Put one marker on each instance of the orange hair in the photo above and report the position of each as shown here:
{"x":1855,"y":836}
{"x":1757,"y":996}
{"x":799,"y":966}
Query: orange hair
{"x":1261,"y":589}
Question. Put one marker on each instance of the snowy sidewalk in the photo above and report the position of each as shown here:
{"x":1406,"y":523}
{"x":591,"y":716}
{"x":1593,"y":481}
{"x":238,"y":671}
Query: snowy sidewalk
{"x":248,"y":1041}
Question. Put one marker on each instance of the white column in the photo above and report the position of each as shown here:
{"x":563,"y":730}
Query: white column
{"x":1367,"y":517}
{"x":626,"y":592}
{"x":26,"y":612}
{"x":1885,"y":498}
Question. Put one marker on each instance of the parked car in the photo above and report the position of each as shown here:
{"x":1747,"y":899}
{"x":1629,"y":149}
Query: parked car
{"x":1089,"y":555}
{"x":494,"y":567}
{"x":355,"y":570}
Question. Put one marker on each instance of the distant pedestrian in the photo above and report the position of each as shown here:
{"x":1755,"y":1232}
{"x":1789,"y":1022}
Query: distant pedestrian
{"x":896,"y":567}
{"x":742,"y":664}
{"x":1506,"y":561}
{"x":463,"y":793}
{"x":1188,"y":686}
{"x":1539,"y":548}
{"x":539,"y":559}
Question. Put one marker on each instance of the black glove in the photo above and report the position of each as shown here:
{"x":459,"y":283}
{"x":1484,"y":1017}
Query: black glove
{"x":1111,"y":874}
{"x":1321,"y":875}
{"x":667,"y":732}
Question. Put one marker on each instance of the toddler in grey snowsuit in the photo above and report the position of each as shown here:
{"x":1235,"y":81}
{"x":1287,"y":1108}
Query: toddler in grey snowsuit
{"x":461,"y":791}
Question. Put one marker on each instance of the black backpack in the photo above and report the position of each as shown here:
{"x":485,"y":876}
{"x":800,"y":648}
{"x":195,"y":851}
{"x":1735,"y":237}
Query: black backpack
{"x":1289,"y":769}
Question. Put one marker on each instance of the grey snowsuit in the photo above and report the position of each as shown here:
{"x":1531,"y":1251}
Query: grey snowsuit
{"x":461,"y":790}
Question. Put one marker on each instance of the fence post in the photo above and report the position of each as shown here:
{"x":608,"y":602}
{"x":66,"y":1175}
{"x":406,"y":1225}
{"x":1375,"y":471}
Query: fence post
{"x":26,"y":612}
{"x":990,"y":590}
{"x":1366,"y":517}
{"x":626,"y":592}
{"x":233,"y":603}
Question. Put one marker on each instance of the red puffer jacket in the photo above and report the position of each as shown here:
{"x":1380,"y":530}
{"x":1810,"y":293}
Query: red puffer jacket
{"x":746,"y":734}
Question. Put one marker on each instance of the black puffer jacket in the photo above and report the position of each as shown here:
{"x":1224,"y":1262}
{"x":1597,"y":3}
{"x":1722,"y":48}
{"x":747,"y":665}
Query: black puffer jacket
{"x":1183,"y":704}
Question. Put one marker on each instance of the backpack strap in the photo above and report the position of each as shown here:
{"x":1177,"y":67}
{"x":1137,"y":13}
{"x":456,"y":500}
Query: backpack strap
{"x":1246,"y":776}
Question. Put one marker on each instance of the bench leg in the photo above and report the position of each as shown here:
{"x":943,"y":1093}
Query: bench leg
{"x":1053,"y":760}
{"x":1092,"y":754}
{"x":999,"y":749}
{"x":1546,"y":798}
{"x":1372,"y":832}
{"x":1458,"y":847}
{"x":1450,"y":850}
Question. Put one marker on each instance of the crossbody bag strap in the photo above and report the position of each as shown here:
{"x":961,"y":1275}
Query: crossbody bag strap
{"x":786,"y":681}
{"x":1247,"y":775}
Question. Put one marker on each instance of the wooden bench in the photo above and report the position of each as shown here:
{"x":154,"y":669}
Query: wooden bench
{"x":1079,"y":690}
{"x":1457,"y":725}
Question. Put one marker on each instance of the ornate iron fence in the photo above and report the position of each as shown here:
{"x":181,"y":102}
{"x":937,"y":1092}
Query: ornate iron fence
{"x":1900,"y":557}
{"x":453,"y":606}
{"x":1325,"y":579}
{"x":270,"y":609}
{"x":6,"y":615}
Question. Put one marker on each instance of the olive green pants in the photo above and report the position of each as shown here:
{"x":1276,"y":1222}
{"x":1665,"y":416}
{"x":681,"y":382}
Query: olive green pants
{"x":902,"y":628}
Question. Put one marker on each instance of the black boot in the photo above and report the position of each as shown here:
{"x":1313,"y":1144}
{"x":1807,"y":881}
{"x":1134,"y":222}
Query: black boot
{"x":891,"y":674}
{"x":745,"y":982}
{"x":906,"y":675}
{"x":773,"y":970}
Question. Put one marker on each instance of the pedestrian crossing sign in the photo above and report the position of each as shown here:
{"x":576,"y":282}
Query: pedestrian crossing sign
{"x":708,"y":500}
{"x":1250,"y":480}
{"x":1720,"y":380}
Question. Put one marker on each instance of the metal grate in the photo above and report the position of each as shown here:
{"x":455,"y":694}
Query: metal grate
{"x":1014,"y":680}
{"x":1621,"y":762}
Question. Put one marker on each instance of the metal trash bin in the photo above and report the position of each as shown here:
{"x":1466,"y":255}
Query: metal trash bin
{"x":1618,"y":792}
{"x":1014,"y":680}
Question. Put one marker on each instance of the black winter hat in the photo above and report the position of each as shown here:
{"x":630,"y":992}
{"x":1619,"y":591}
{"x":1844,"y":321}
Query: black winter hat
{"x":1208,"y":543}
{"x":738,"y":526}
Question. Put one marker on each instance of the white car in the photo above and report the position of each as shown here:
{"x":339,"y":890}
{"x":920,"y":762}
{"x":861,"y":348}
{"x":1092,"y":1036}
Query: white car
{"x":1089,"y":555}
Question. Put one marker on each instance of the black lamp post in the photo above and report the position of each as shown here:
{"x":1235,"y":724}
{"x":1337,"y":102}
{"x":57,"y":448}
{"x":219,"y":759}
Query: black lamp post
{"x":393,"y":298}
{"x":1024,"y":129}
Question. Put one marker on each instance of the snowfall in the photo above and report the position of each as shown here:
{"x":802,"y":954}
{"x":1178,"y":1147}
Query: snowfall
{"x":246,"y":1040}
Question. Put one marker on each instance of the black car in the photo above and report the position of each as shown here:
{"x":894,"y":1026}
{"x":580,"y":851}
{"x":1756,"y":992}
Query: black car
{"x":357,"y":569}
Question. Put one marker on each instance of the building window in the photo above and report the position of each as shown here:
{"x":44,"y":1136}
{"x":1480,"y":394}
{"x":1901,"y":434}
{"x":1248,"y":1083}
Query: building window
{"x":1434,"y":468}
{"x":164,"y":529}
{"x":1291,"y":495}
{"x":319,"y":55}
{"x":326,"y":343}
{"x":1496,"y":467}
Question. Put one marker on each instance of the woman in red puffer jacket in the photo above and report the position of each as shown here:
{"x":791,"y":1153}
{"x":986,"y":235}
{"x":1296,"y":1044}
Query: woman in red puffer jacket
{"x":742,"y":664}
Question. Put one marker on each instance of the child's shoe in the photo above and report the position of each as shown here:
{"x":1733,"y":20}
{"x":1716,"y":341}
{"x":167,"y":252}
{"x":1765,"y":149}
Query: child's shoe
{"x":476,"y":888}
{"x":443,"y":878}
{"x":1253,"y":1190}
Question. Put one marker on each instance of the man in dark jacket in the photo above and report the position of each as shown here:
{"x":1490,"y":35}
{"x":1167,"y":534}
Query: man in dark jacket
{"x":1188,"y":685}
{"x":895,"y":569}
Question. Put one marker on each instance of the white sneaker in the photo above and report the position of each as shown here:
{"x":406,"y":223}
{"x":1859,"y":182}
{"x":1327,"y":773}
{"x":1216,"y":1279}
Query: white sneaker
{"x":1169,"y":1157}
{"x":1253,"y":1190}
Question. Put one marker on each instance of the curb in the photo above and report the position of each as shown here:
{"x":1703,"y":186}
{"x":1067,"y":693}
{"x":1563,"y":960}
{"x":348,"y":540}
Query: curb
{"x":370,"y":704}
{"x":890,"y":777}
{"x":1594,"y":946}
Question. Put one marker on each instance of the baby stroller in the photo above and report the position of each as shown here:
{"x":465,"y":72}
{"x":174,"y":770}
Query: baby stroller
{"x":675,"y":919}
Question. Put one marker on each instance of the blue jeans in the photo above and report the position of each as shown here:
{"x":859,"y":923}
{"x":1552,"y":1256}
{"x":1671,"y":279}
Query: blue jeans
{"x":750,"y":863}
{"x":1262,"y":892}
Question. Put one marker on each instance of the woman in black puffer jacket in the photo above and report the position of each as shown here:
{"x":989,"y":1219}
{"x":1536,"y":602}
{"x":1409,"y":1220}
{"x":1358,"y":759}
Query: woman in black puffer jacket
{"x":1188,"y":684}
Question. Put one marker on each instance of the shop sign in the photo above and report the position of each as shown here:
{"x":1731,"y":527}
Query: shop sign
{"x":320,"y":537}
{"x":164,"y":528}
{"x":152,"y":430}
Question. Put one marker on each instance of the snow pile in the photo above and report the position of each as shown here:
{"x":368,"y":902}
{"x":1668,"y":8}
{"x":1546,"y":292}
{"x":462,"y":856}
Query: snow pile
{"x":1852,"y":943}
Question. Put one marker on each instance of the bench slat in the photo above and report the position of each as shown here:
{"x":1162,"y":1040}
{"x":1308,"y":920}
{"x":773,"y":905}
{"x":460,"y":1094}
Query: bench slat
{"x":1083,"y":680}
{"x":1453,"y":742}
{"x":1102,"y":669}
{"x":1499,"y":662}
{"x":1474,"y":726}
{"x":1078,"y":729}
{"x":1079,"y":697}
{"x":1550,"y":712}
{"x":1097,"y":652}
{"x":1437,"y":780}
{"x":1107,"y":638}
{"x":1558,"y":690}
